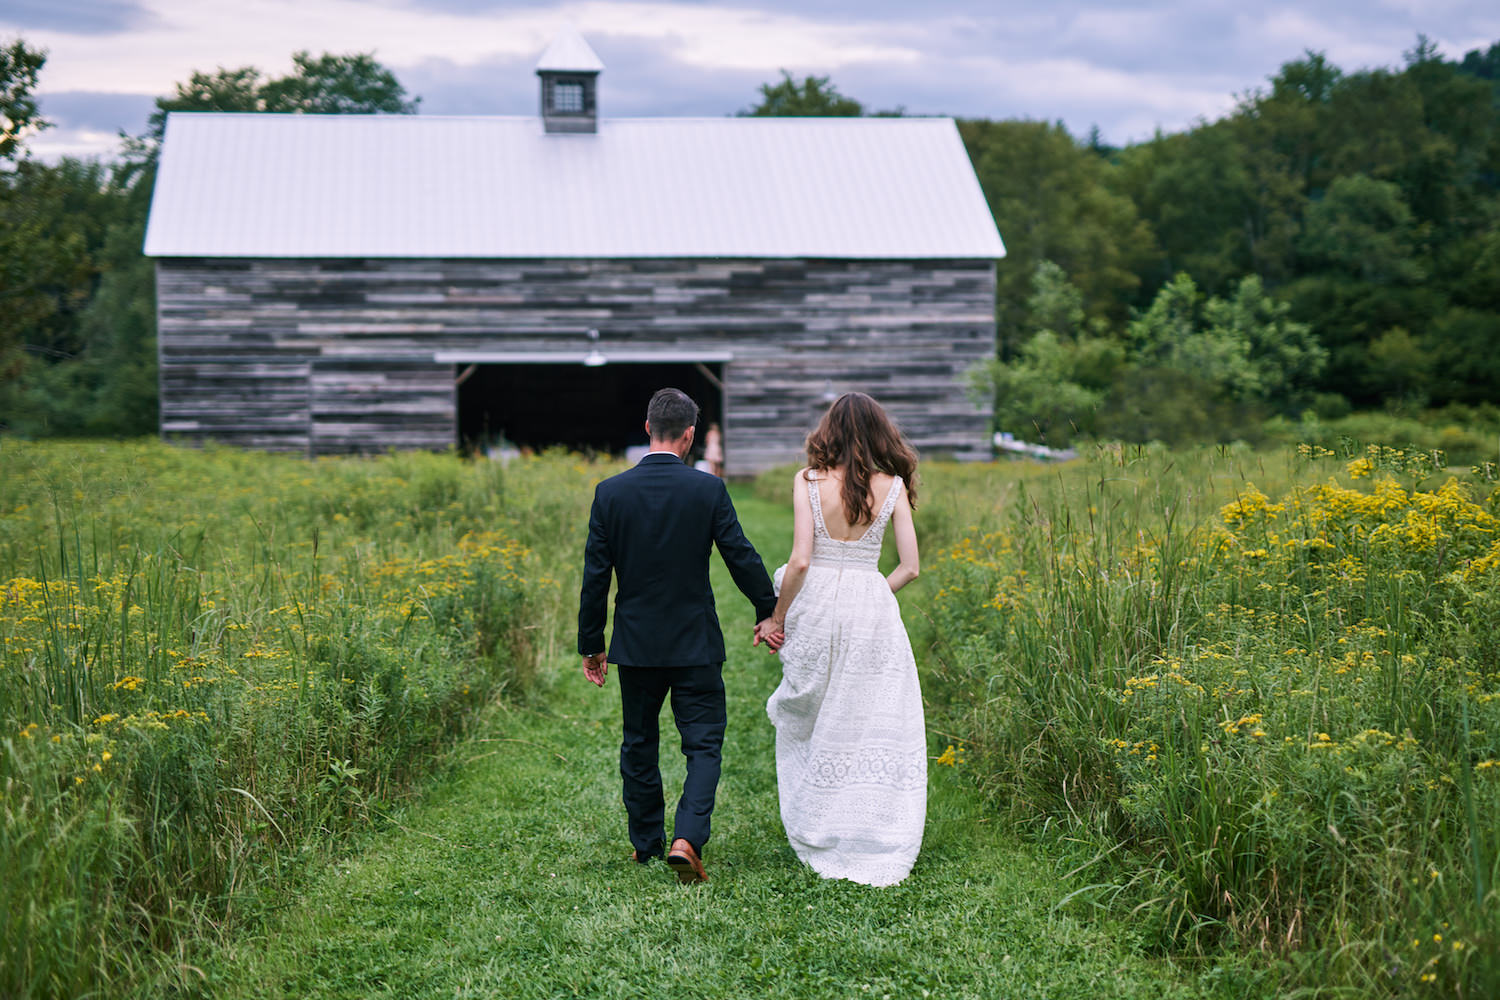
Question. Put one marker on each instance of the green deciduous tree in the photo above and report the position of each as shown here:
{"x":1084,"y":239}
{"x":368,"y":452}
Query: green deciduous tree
{"x":338,"y":85}
{"x":1052,"y":389}
{"x":20,"y":66}
{"x":329,"y":84}
{"x":811,"y":97}
{"x":1362,"y":228}
{"x":52,"y":226}
{"x":1284,"y":356}
{"x":1246,"y":346}
{"x":1052,"y":200}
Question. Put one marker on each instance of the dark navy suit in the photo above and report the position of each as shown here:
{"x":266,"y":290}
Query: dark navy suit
{"x":652,"y":527}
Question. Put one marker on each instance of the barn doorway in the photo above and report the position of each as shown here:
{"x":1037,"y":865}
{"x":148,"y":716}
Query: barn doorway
{"x":599,"y":409}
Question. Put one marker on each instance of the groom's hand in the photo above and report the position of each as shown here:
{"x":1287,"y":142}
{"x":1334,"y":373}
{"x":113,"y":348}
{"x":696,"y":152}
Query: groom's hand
{"x":595,"y":668}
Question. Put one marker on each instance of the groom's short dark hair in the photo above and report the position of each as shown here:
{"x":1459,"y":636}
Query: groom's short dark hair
{"x":670,"y":413}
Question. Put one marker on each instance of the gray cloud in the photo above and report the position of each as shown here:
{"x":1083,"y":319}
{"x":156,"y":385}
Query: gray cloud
{"x":79,"y":17}
{"x":1128,"y":66}
{"x":1129,"y":69}
{"x":641,"y":79}
{"x":864,"y":10}
{"x":97,"y":112}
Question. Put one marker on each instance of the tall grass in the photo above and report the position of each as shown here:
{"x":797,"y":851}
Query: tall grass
{"x":215,"y":661}
{"x":1266,"y":688}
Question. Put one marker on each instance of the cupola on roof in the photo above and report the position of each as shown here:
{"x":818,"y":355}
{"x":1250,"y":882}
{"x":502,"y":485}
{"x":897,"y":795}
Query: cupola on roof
{"x":569,"y":74}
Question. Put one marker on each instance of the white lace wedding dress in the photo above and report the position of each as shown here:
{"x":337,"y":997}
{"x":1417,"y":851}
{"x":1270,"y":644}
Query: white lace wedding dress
{"x":851,"y":745}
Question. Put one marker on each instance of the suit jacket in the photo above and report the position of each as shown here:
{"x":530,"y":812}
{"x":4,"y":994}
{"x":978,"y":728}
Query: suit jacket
{"x":653,"y":526}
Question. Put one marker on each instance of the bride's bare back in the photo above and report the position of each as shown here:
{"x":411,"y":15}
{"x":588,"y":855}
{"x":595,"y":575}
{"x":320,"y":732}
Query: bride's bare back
{"x":830,"y":484}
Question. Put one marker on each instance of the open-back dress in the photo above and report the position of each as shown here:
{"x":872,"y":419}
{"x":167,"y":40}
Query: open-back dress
{"x":851,"y":745}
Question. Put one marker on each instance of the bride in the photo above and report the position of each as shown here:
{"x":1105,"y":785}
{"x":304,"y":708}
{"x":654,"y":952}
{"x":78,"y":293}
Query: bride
{"x":851,"y":748}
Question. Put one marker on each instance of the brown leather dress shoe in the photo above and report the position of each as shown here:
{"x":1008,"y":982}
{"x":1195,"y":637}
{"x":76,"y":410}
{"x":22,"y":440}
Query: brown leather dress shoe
{"x":683,"y":860}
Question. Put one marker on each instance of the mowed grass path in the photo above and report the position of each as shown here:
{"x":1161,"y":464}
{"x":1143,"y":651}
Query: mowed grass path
{"x":511,"y":878}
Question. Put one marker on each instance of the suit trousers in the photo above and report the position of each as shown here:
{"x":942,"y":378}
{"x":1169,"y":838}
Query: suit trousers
{"x":698,"y":709}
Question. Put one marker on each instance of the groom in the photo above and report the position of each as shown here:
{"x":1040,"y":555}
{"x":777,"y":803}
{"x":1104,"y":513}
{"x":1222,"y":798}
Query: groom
{"x":653,"y":526}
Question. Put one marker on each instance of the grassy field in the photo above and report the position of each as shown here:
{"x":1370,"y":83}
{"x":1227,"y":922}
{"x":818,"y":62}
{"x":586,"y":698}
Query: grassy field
{"x":1244,"y":708}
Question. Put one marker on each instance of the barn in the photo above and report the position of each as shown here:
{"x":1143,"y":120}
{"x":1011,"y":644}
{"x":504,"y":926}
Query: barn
{"x":333,"y":284}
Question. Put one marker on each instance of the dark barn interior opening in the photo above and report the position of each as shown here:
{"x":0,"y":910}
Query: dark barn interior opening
{"x":600,"y":409}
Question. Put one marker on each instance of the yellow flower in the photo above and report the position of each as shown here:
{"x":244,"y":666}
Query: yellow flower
{"x":951,"y":757}
{"x":1360,"y":468}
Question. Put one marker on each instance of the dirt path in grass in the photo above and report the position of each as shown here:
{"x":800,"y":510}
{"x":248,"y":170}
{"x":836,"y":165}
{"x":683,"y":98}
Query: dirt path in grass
{"x":510,"y":879}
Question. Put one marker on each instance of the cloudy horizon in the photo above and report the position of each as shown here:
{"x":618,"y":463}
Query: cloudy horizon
{"x":1130,"y":68}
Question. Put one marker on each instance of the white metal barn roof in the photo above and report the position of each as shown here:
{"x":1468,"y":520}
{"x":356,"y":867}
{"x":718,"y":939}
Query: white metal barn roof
{"x":273,"y":185}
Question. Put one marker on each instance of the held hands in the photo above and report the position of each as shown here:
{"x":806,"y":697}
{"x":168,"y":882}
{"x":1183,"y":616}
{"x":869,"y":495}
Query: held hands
{"x":771,"y":632}
{"x":595,"y":668}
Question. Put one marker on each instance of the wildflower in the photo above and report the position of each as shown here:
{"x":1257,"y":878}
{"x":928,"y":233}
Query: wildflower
{"x":951,"y":757}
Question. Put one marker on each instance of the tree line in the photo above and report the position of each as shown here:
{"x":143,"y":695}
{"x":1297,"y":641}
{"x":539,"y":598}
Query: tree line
{"x":77,"y":296}
{"x":1332,"y":243}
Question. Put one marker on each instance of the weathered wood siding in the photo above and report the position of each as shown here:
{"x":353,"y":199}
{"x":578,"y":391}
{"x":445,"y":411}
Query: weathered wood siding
{"x":328,"y":356}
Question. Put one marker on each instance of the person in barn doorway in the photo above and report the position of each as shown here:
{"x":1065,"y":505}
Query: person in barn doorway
{"x":652,"y":527}
{"x":713,"y":450}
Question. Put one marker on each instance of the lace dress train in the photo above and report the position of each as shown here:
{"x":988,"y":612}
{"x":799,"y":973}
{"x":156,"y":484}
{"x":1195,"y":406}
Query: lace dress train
{"x":851,"y":744}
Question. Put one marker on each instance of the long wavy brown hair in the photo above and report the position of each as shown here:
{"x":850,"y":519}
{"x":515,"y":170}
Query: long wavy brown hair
{"x":857,"y":434}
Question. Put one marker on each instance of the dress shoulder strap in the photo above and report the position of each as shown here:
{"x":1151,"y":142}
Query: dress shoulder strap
{"x":887,"y":508}
{"x":819,"y":527}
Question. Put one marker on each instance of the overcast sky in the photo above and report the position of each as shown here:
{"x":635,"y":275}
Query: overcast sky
{"x":1130,"y":67}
